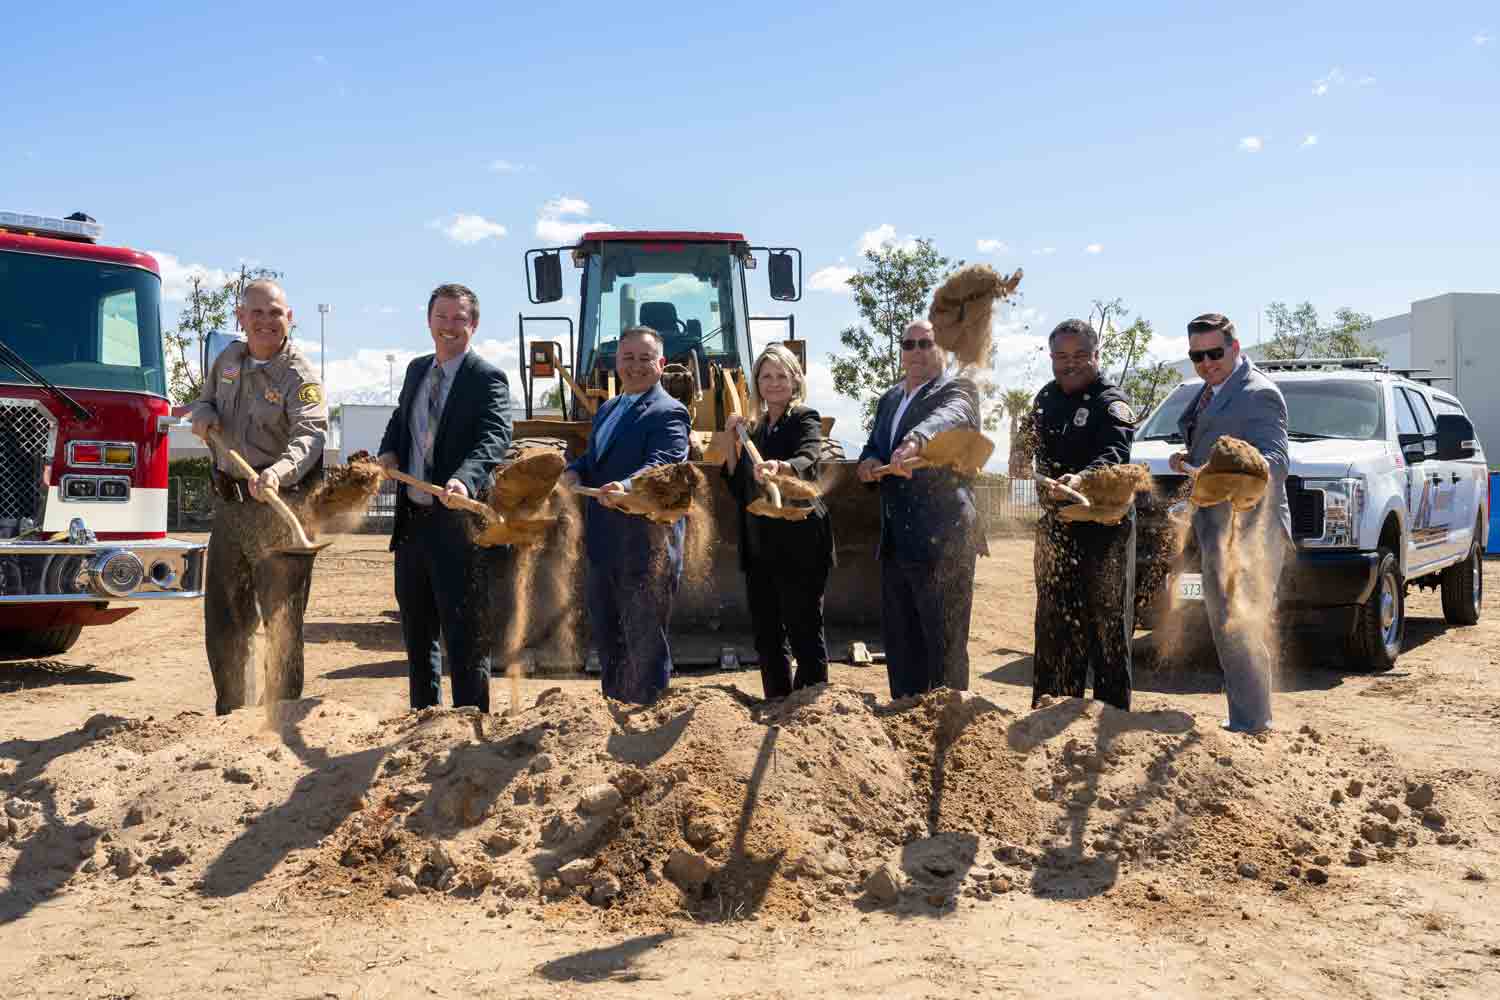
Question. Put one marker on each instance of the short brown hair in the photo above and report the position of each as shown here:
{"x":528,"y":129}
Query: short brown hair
{"x":1210,"y":323}
{"x":454,"y":291}
{"x":641,"y":330}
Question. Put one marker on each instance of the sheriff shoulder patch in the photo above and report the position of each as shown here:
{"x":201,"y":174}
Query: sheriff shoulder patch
{"x":1122,"y":412}
{"x":310,"y":393}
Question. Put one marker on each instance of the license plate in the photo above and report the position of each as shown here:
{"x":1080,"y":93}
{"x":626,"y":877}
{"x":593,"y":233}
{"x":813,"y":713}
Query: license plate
{"x":1190,"y":587}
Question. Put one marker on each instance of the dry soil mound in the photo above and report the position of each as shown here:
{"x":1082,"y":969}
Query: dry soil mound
{"x":707,"y":805}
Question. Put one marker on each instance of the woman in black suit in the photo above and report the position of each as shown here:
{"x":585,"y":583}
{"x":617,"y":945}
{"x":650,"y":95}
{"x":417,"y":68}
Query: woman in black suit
{"x":786,"y":563}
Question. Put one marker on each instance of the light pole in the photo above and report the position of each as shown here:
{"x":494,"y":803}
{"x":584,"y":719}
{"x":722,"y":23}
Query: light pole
{"x":390,"y":378}
{"x":323,"y":308}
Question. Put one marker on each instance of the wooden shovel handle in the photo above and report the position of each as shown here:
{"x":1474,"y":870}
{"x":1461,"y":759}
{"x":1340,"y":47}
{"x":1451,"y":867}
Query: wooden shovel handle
{"x":272,"y":497}
{"x":917,"y":463}
{"x":771,"y":488}
{"x":466,"y":503}
{"x":1047,"y":483}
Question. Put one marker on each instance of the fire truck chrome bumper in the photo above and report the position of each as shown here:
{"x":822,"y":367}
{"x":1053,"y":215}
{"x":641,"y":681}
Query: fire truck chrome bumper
{"x":128,"y":571}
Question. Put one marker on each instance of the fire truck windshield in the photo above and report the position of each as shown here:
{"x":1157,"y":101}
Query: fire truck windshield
{"x":82,"y":324}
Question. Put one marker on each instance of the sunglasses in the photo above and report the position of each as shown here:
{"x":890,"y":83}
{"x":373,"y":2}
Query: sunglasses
{"x":1211,"y":353}
{"x":916,"y":345}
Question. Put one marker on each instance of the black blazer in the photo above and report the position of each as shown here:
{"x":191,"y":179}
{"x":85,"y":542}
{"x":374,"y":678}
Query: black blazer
{"x":797,"y":438}
{"x":930,"y":516}
{"x":472,"y":434}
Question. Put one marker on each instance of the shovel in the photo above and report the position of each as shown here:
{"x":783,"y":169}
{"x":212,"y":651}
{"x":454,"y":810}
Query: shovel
{"x":497,"y":531}
{"x":774,"y":508}
{"x":963,"y":449}
{"x":661,"y":494}
{"x":304,"y":548}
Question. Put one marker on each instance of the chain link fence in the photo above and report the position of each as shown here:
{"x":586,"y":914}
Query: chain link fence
{"x":1008,"y":505}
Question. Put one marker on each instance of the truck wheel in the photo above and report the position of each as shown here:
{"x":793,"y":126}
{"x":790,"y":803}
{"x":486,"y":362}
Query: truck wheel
{"x":1374,"y":642}
{"x":38,"y":642}
{"x":1463,"y":588}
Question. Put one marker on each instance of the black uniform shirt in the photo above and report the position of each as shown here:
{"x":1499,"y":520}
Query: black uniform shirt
{"x":1087,"y":430}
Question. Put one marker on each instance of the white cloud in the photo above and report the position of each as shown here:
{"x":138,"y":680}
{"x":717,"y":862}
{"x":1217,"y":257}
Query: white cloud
{"x":552,"y":229}
{"x":566,"y":206}
{"x":1334,"y":78}
{"x":466,"y":229}
{"x":883,"y":236}
{"x":1252,"y":144}
{"x":307,"y":345}
{"x":834,"y":278}
{"x":1311,"y":139}
{"x":175,"y":276}
{"x":1094,"y":248}
{"x":1483,"y":38}
{"x":509,"y":167}
{"x":366,"y":377}
{"x":992,"y":246}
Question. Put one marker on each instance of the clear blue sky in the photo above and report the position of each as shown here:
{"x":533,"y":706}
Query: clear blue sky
{"x":338,"y":144}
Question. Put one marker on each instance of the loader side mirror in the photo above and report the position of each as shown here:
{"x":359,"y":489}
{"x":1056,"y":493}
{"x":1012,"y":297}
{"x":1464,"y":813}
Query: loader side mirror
{"x":547,"y":269}
{"x":1455,"y":437}
{"x":783,"y":277}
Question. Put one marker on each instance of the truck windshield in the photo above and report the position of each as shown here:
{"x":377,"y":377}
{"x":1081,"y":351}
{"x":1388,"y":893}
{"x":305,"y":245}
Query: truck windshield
{"x":690,"y":293}
{"x":1315,"y":409}
{"x":83,"y":324}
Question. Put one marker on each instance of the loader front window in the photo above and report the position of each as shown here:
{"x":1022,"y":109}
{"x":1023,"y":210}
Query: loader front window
{"x":690,"y":293}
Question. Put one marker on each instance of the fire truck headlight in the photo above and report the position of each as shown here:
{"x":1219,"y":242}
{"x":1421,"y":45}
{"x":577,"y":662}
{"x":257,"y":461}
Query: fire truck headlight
{"x":116,"y":573}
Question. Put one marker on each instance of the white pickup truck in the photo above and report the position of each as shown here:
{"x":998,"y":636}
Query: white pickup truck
{"x":1388,"y":487}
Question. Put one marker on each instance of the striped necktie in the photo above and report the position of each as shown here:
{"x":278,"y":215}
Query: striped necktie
{"x":434,"y":409}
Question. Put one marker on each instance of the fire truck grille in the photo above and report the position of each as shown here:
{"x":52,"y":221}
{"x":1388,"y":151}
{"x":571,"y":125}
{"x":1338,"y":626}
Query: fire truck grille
{"x":27,"y":435}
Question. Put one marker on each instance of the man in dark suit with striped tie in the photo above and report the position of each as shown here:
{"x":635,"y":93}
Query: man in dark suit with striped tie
{"x":451,"y":428}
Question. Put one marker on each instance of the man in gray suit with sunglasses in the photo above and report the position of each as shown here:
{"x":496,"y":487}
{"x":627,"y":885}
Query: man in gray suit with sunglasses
{"x":1240,"y":401}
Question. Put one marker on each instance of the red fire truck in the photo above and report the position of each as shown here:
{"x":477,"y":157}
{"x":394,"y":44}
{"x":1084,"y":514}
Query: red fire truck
{"x":83,"y":437}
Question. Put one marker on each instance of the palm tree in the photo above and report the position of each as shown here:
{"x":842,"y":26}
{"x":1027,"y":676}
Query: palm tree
{"x":1017,"y":404}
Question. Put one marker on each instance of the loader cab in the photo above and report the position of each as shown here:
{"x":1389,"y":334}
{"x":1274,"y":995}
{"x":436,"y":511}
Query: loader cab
{"x":690,"y":287}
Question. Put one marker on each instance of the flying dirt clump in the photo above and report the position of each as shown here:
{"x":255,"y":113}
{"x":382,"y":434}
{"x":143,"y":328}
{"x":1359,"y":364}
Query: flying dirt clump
{"x":520,"y":488}
{"x":962,"y":308}
{"x":1235,"y":473}
{"x":342,"y":498}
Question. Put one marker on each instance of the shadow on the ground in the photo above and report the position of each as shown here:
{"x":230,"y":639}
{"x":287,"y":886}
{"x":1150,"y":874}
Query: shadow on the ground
{"x":613,"y":962}
{"x":27,"y":675}
{"x":368,"y":671}
{"x":380,"y":635}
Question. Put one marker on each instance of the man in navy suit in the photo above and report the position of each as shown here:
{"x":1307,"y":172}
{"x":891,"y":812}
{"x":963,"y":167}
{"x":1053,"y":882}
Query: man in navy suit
{"x":634,"y":564}
{"x":930,"y":535}
{"x":451,"y":427}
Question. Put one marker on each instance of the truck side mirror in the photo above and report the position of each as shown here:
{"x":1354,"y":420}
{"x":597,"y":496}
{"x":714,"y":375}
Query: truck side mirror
{"x":1455,"y":437}
{"x":547,"y":268}
{"x":783,"y":277}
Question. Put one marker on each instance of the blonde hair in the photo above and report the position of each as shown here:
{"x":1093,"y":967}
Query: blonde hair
{"x":787,"y":360}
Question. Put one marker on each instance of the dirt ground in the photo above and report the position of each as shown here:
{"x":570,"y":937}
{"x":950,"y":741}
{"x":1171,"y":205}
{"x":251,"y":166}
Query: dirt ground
{"x":835,"y":845}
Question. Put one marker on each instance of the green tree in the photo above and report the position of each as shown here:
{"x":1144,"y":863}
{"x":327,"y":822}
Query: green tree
{"x":1017,"y":404}
{"x":1125,"y":357}
{"x":890,"y":290}
{"x":1300,"y":333}
{"x":207,"y":309}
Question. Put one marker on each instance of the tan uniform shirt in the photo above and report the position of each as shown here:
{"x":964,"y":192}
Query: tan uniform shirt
{"x":273,"y":414}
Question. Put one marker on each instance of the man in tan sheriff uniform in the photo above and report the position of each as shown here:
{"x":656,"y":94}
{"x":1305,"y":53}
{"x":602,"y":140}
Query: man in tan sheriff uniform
{"x":262,"y":399}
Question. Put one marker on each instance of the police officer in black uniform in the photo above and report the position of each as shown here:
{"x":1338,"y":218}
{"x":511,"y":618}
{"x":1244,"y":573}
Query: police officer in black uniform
{"x":1085,"y":572}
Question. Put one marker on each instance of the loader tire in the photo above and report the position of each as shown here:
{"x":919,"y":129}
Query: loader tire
{"x":34,"y":643}
{"x":1374,"y":642}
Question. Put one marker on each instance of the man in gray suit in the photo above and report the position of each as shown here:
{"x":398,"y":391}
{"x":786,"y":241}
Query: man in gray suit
{"x":1240,"y":401}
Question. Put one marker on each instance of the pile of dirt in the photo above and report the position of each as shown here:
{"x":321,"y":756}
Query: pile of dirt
{"x":1111,"y":491}
{"x":520,"y":488}
{"x":712,"y":806}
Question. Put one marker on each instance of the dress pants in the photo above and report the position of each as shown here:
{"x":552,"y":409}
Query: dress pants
{"x":924,"y":611}
{"x":1239,"y":596}
{"x":629,"y":607}
{"x":1085,"y":609}
{"x":444,"y":588}
{"x":786,"y":613}
{"x":245,"y":586}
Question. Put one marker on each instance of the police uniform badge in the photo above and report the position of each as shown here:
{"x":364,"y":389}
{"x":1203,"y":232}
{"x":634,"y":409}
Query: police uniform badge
{"x":273,"y":397}
{"x":1122,"y":412}
{"x":1081,"y":417}
{"x":311,"y":393}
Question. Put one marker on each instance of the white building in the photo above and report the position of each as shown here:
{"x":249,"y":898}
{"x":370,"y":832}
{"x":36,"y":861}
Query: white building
{"x":1457,"y":337}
